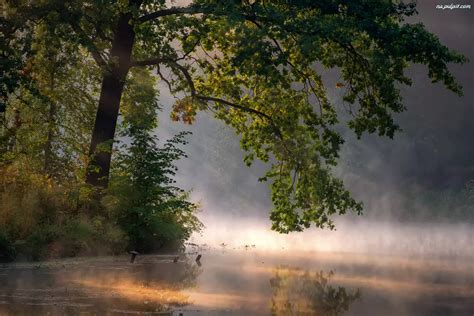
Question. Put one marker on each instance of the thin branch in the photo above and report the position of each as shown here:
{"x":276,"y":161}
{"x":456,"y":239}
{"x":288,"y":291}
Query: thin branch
{"x":194,"y":94}
{"x":165,"y":80}
{"x":148,"y":62}
{"x":193,"y":9}
{"x":98,"y":31}
{"x":186,"y":54}
{"x":89,"y":43}
{"x":237,"y":106}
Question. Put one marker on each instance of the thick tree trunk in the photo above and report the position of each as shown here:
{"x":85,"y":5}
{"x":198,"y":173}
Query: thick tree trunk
{"x":109,"y":103}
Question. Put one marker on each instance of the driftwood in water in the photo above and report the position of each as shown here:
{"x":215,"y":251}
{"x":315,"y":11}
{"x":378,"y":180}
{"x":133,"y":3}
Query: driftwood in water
{"x":198,"y":260}
{"x":134,"y":254}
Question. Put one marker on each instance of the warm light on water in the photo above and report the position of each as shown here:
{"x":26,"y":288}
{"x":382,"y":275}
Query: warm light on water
{"x":246,"y":281}
{"x":129,"y":289}
{"x":362,"y":268}
{"x":357,"y":235}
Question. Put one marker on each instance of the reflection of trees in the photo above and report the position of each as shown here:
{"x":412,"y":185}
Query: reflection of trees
{"x":188,"y":277}
{"x":152,"y":284}
{"x":299,"y":292}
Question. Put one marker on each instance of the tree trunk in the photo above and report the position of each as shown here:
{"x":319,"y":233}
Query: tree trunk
{"x":48,"y":146}
{"x":100,"y":151}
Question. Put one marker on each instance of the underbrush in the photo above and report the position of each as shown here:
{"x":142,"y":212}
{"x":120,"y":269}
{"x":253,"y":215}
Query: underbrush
{"x":41,"y":219}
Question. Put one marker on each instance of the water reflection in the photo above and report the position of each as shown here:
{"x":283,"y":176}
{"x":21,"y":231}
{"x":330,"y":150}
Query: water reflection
{"x":96,"y":287}
{"x":301,"y":292}
{"x":241,"y":282}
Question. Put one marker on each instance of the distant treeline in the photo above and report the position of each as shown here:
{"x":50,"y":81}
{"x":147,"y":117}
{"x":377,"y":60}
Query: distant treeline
{"x":450,"y":205}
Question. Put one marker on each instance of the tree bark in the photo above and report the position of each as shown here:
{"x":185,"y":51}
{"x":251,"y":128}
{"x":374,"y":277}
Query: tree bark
{"x":48,"y":146}
{"x":100,"y":151}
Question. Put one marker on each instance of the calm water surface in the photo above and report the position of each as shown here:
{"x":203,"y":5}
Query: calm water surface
{"x":241,"y":282}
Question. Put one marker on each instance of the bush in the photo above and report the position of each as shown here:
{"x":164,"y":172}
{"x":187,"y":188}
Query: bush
{"x":44,"y":219}
{"x":7,"y":250}
{"x":149,"y":209}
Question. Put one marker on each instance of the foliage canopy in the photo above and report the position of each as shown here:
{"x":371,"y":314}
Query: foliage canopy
{"x":258,"y":66}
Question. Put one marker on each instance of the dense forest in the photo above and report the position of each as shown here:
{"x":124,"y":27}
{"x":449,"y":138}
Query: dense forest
{"x":81,"y":171}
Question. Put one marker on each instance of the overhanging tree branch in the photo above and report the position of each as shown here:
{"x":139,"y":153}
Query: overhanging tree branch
{"x":192,"y":9}
{"x":184,"y":71}
{"x":194,"y":94}
{"x":149,"y":62}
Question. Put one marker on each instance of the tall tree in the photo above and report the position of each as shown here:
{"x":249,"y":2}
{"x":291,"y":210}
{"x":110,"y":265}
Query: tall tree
{"x":259,"y":65}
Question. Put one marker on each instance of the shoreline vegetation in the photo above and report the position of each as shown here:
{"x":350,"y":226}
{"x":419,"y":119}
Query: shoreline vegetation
{"x":41,"y":218}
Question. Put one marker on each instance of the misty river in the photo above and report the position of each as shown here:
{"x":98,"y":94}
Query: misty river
{"x":242,"y":280}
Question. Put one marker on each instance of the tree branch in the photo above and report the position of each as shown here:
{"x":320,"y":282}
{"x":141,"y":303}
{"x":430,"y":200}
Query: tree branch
{"x":184,"y":71}
{"x":165,"y":80}
{"x":192,"y":9}
{"x":148,"y":62}
{"x":237,"y":106}
{"x":89,"y":44}
{"x":194,"y":94}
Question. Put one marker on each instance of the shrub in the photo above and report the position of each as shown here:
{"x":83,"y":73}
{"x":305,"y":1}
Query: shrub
{"x":149,"y":209}
{"x":44,"y":219}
